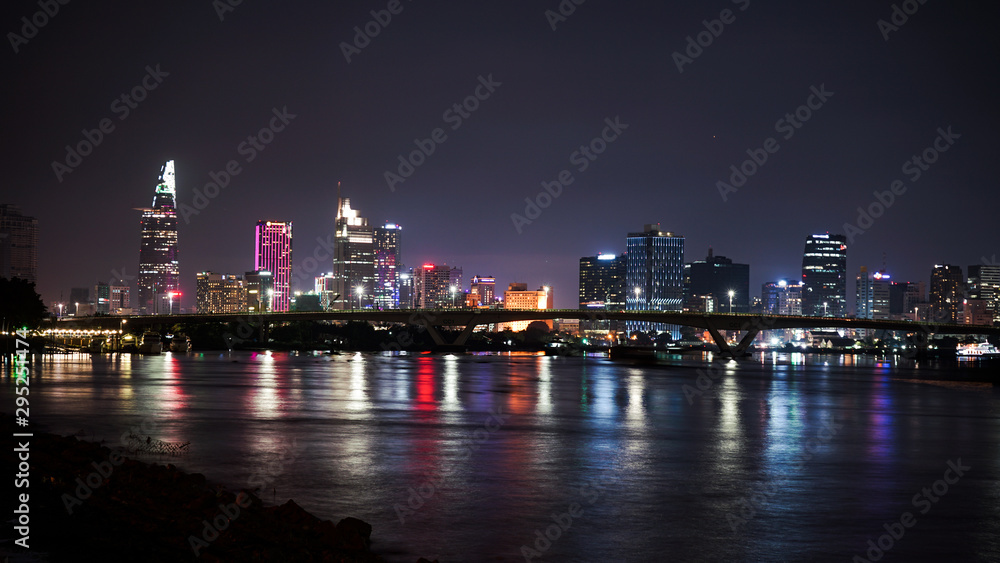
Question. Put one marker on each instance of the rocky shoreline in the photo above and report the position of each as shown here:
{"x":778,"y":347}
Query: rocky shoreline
{"x":88,"y":502}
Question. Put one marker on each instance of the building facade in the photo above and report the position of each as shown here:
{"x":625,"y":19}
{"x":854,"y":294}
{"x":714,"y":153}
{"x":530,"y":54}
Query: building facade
{"x":602,"y":282}
{"x":781,"y":298}
{"x":437,"y":287}
{"x":873,"y":295}
{"x":220,"y":293}
{"x":518,"y":297}
{"x":947,"y":293}
{"x":273,"y":253}
{"x":260,"y":290}
{"x":984,"y":283}
{"x":353,"y":258}
{"x":18,"y":244}
{"x":654,"y":276}
{"x":824,"y":276}
{"x":720,"y":278}
{"x":159,"y":271}
{"x":387,"y":264}
{"x":482,"y":291}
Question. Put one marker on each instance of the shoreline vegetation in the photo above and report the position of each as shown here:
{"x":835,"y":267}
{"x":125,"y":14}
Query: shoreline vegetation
{"x":90,"y":502}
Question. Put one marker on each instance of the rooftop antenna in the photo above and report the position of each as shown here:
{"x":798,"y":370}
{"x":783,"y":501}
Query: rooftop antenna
{"x":339,"y":206}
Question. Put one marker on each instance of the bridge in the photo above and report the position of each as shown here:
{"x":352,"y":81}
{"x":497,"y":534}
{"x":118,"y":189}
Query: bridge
{"x":433,"y":319}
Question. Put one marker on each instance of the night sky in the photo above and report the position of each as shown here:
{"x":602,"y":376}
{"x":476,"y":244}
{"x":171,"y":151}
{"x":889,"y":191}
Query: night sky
{"x":556,"y":88}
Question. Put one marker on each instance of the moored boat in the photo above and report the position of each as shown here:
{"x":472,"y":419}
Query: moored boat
{"x":150,"y":343}
{"x":978,"y":351}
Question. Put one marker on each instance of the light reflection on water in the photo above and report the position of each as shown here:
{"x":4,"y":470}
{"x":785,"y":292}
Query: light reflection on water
{"x":365,"y":436}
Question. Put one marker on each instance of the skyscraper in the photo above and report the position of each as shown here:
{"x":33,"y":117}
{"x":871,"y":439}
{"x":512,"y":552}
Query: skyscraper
{"x":18,"y":244}
{"x":984,"y":284}
{"x":782,"y":298}
{"x":873,"y":295}
{"x":718,"y":276}
{"x":273,"y":253}
{"x":947,"y":293}
{"x":654,"y":275}
{"x":433,"y":284}
{"x":387,"y":263}
{"x":824,"y":276}
{"x":353,"y":257}
{"x":483,"y":291}
{"x":221,"y":293}
{"x":159,"y":273}
{"x":602,"y":282}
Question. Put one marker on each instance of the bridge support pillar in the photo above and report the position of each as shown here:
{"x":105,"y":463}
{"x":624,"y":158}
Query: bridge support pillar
{"x":727,"y":350}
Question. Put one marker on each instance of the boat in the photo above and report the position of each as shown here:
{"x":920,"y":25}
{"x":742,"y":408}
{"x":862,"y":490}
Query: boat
{"x":180,"y":343}
{"x":150,"y":343}
{"x":978,"y":351}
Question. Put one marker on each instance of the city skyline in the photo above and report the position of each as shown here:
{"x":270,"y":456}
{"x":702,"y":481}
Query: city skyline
{"x":640,"y":139}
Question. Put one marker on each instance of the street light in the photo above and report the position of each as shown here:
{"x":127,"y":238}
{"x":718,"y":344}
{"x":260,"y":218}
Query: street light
{"x":731,"y":294}
{"x":452,"y":289}
{"x":359,"y":291}
{"x":60,"y":309}
{"x":824,"y":308}
{"x":638,"y":290}
{"x":270,"y":299}
{"x":76,"y":313}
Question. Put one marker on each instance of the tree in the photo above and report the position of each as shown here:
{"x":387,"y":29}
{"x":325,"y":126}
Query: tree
{"x":20,"y":305}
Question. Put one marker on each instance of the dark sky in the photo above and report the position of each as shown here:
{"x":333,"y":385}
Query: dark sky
{"x":606,"y":60}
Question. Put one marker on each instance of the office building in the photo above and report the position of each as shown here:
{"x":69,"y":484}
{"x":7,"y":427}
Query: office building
{"x":220,"y":293}
{"x":324,"y":288}
{"x":984,"y":284}
{"x":518,"y":297}
{"x":353,"y":258}
{"x":654,"y":276}
{"x":159,"y":273}
{"x":947,"y":293}
{"x":824,"y":276}
{"x":18,"y":244}
{"x":273,"y":253}
{"x":406,"y":292}
{"x":386,"y":264}
{"x":482,"y":291}
{"x":437,"y":287}
{"x":602,"y":282}
{"x":259,"y":286}
{"x":781,"y":298}
{"x":720,"y":278}
{"x":873,"y":295}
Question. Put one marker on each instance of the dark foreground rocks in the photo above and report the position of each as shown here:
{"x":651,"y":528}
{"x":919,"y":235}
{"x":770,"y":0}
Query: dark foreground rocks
{"x":88,"y":503}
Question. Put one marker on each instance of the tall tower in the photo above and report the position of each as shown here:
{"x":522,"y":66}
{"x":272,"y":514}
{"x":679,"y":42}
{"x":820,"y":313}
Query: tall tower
{"x":353,"y":258}
{"x":654,"y":275}
{"x":159,"y":276}
{"x":824,"y":276}
{"x":387,"y":266}
{"x":18,"y":244}
{"x":273,"y":253}
{"x":947,"y":292}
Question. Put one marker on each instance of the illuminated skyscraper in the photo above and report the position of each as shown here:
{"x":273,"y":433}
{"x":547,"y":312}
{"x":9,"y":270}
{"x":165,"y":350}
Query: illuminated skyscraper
{"x":873,"y":295}
{"x":273,"y":253}
{"x":220,"y":293}
{"x":387,"y":266}
{"x":654,"y":276}
{"x":159,"y":275}
{"x":824,"y":276}
{"x":781,"y":298}
{"x":947,"y":293}
{"x":602,"y":282}
{"x":353,"y":258}
{"x":18,"y":243}
{"x":433,"y":287}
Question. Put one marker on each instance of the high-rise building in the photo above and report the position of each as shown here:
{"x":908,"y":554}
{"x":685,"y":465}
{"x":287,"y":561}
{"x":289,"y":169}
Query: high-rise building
{"x":947,"y":293}
{"x":159,"y":273}
{"x":437,"y":287}
{"x":873,"y":295}
{"x":387,"y":263}
{"x":781,"y":298}
{"x":824,"y":276}
{"x":904,"y":298}
{"x":406,"y":290}
{"x":221,"y":293}
{"x":353,"y":258}
{"x":18,"y":244}
{"x":102,"y":298}
{"x":602,"y":282}
{"x":120,"y":301}
{"x":482,"y":291}
{"x":720,"y":278}
{"x":517,"y":297}
{"x":984,"y":284}
{"x":273,"y":253}
{"x":260,"y":289}
{"x":654,"y":275}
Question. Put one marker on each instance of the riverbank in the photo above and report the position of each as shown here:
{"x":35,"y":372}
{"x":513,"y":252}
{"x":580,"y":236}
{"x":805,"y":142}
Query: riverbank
{"x":86,"y":502}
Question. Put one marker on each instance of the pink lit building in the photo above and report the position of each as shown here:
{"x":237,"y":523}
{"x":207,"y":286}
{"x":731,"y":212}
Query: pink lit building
{"x":273,"y":253}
